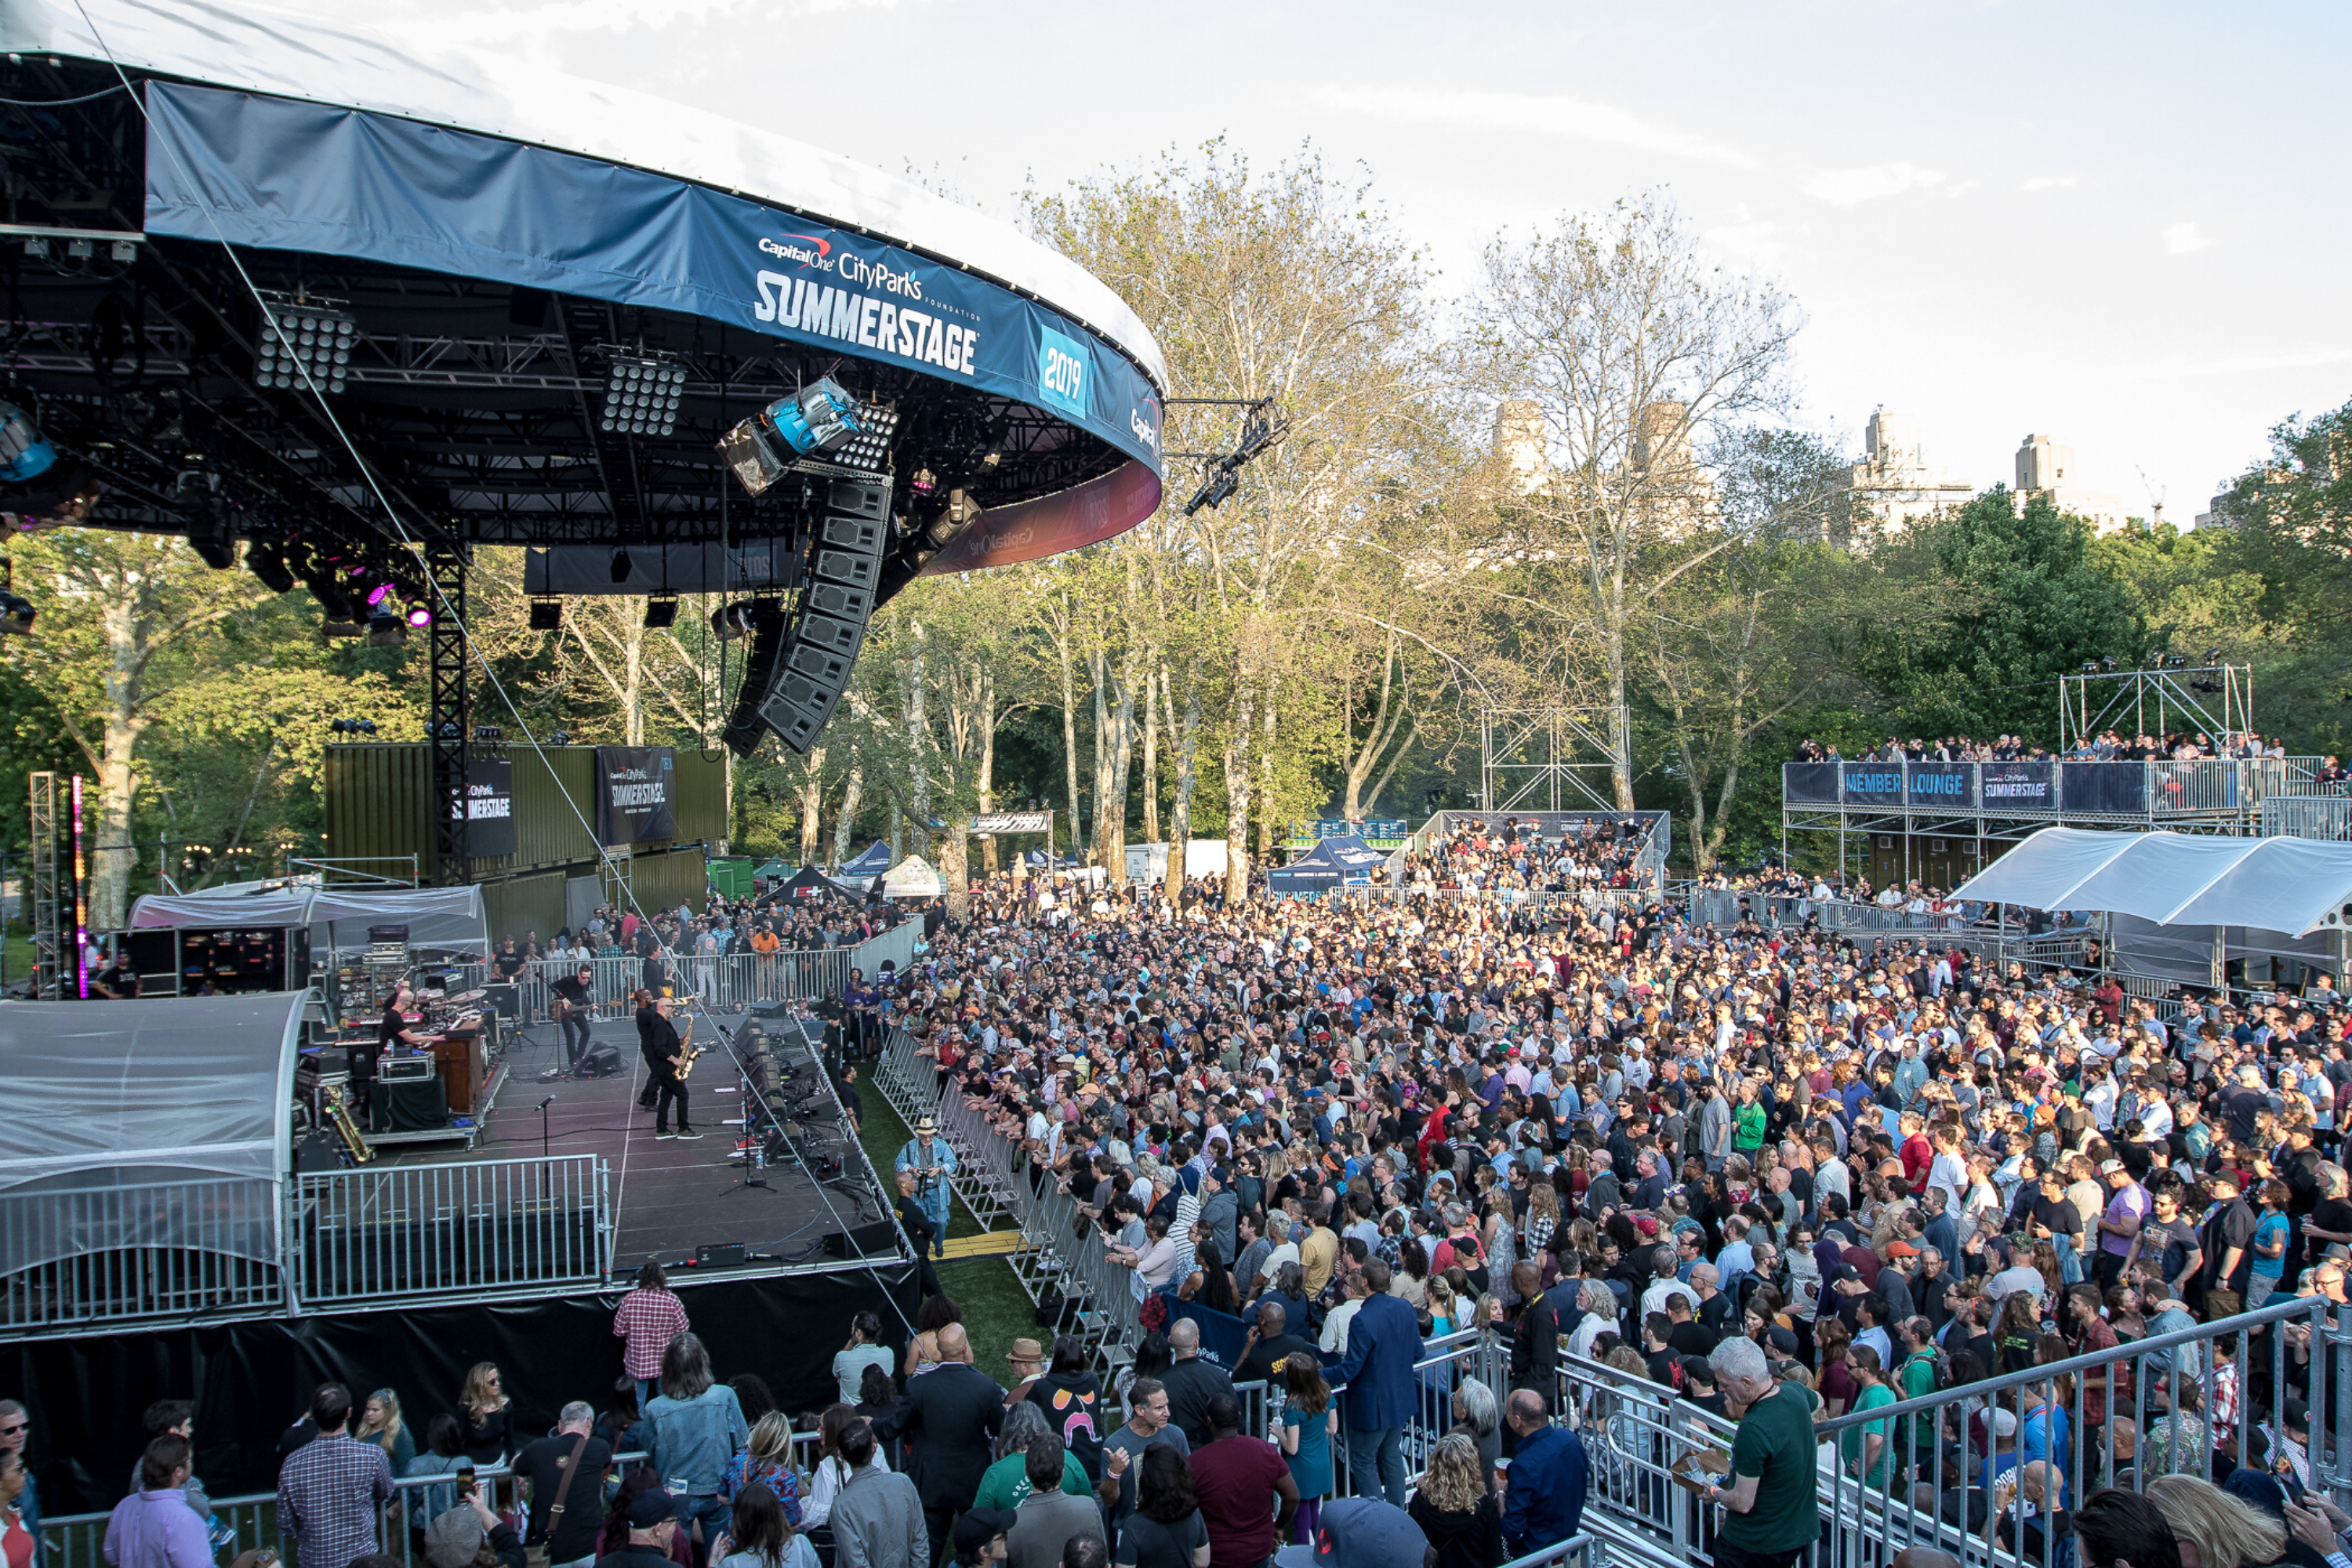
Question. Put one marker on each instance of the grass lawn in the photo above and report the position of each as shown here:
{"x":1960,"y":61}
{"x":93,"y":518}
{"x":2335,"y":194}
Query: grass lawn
{"x":996,"y":1310}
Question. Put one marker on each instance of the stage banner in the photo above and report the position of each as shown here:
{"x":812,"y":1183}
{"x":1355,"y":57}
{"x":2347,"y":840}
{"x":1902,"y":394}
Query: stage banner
{"x":2111,"y":789}
{"x":1941,"y":784}
{"x":1873,"y":784}
{"x":1012,"y":822}
{"x":636,"y":799}
{"x":1816,"y":782}
{"x":489,"y":806}
{"x":1223,"y":1336}
{"x":2016,"y":786}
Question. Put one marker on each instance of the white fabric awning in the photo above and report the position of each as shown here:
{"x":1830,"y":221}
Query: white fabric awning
{"x":449,"y":919}
{"x":912,"y":878}
{"x":2292,"y":885}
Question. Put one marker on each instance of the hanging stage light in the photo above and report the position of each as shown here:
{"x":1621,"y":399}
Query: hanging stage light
{"x":661,"y":610}
{"x":820,"y":421}
{"x":24,"y":453}
{"x":16,"y":615}
{"x":729,"y":621}
{"x":620,"y":566}
{"x":304,"y":347}
{"x":268,"y":562}
{"x":385,"y":628}
{"x":546,"y":614}
{"x":642,"y":396}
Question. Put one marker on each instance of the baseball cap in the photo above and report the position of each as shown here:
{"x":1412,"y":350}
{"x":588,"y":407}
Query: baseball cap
{"x":451,"y":1541}
{"x":977,"y":1527}
{"x":1901,"y":1249}
{"x":2004,"y":1423}
{"x":1781,"y":1340}
{"x":646,"y":1510}
{"x":2109,"y":1167}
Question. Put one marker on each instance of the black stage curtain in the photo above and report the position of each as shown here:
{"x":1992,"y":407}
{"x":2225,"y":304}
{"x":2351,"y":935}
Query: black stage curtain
{"x":252,"y":1380}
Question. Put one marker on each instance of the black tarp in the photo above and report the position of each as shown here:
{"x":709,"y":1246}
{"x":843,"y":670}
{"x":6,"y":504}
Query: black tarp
{"x":251,"y":1380}
{"x":807,"y":883}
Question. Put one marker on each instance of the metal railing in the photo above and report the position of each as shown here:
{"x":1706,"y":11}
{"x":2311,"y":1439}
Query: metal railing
{"x":2066,"y":787}
{"x":124,"y":1253}
{"x":722,"y":981}
{"x":487,"y":1226}
{"x":2307,"y":816}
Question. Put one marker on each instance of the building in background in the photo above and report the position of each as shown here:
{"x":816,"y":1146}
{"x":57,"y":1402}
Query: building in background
{"x":1893,"y":485}
{"x":2046,"y":467}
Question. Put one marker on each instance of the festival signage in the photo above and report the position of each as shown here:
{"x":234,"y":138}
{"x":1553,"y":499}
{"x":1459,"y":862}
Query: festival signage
{"x":1940,"y":784}
{"x":1013,"y":822}
{"x":2016,"y":786}
{"x":1815,"y":781}
{"x":490,"y":805}
{"x":2106,"y":789}
{"x":636,"y":794}
{"x":1873,"y":784}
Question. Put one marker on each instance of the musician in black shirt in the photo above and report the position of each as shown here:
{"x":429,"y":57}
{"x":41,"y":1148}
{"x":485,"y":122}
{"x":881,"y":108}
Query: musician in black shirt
{"x":393,"y":1030}
{"x":664,"y":1053}
{"x":572,"y":1002}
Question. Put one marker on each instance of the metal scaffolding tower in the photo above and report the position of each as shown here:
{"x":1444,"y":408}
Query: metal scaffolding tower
{"x":46,"y":911}
{"x":1556,"y":758}
{"x":2214,"y":698}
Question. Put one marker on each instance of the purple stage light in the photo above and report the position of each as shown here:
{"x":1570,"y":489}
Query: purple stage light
{"x":418,"y":615}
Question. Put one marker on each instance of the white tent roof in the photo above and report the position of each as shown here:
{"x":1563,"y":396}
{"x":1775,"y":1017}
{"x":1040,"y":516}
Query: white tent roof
{"x":912,"y":878}
{"x":2293,"y":885}
{"x":254,"y":49}
{"x":167,"y":1119}
{"x":449,"y":919}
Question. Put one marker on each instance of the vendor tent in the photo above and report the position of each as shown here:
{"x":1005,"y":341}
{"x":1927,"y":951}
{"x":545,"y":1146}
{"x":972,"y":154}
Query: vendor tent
{"x":807,"y":885}
{"x":772,"y":871}
{"x":447,"y":920}
{"x":1332,"y":863}
{"x":860,"y":873}
{"x":161,"y":1124}
{"x":912,"y":878}
{"x":2295,"y":886}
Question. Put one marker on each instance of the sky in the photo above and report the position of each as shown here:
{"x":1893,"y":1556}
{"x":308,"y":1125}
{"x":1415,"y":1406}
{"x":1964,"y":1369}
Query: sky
{"x":2097,"y":222}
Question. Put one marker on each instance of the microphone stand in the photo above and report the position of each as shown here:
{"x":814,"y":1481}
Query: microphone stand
{"x":543,"y":1126}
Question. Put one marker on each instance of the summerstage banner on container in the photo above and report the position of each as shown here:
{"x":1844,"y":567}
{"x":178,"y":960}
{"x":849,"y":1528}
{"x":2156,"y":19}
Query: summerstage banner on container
{"x":636,"y":794}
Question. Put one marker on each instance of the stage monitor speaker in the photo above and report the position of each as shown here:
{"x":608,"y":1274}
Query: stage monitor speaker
{"x":317,"y":1151}
{"x":879,"y":1240}
{"x":601,"y":1061}
{"x":718,"y":1255}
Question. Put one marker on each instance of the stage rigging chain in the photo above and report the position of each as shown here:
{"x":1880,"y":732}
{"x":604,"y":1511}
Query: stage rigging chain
{"x":465,"y":632}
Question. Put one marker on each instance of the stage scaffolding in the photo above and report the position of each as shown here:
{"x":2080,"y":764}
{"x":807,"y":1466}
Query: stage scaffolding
{"x":1553,"y":758}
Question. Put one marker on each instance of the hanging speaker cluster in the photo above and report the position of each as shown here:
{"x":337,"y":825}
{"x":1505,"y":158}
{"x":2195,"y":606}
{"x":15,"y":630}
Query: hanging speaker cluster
{"x":792,"y":695}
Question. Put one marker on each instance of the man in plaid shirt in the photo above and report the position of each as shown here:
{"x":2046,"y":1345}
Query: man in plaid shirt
{"x":333,"y":1490}
{"x":648,"y":1319}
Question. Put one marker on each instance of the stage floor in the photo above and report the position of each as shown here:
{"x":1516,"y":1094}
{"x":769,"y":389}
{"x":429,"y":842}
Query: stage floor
{"x":670,"y":1196}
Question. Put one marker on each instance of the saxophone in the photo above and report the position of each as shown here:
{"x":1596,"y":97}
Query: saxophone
{"x":686,"y":1051}
{"x":354,"y":1145}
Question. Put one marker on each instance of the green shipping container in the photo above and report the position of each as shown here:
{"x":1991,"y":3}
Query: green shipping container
{"x":731,"y":879}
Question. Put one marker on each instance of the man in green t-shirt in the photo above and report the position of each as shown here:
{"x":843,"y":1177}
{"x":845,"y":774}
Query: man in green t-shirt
{"x":1771,"y":1507}
{"x":1866,"y":1450}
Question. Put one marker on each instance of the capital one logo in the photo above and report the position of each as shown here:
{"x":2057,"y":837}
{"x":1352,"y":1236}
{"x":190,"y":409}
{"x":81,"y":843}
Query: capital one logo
{"x":1145,"y":422}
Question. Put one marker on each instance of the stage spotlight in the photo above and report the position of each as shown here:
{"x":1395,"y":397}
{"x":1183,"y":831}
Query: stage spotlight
{"x":352,"y":727}
{"x":216,"y":548}
{"x":268,"y":562}
{"x":332,"y":599}
{"x":620,"y":566}
{"x":488,"y":735}
{"x":729,"y":621}
{"x":386,"y":629}
{"x":16,"y":615}
{"x":2109,"y":664}
{"x":1219,"y":490}
{"x":546,"y":614}
{"x":559,"y":738}
{"x":661,"y":611}
{"x":642,"y":396}
{"x":2212,"y":657}
{"x":819,"y":421}
{"x":2175,"y":661}
{"x":24,"y":453}
{"x":419,"y":616}
{"x":2090,"y":666}
{"x":304,"y":347}
{"x":815,"y":419}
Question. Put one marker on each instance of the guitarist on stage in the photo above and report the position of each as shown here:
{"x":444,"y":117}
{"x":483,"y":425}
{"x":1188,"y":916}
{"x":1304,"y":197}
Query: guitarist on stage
{"x":571,"y":1002}
{"x":666,"y":1056}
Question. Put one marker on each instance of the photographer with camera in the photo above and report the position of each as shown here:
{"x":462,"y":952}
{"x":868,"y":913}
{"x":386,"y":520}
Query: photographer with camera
{"x":930,"y":1161}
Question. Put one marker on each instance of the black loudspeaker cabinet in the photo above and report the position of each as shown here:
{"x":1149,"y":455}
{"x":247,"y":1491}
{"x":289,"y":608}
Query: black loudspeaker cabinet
{"x":768,"y":641}
{"x":846,"y":569}
{"x":601,"y":1061}
{"x":317,"y":1151}
{"x":876,"y":1240}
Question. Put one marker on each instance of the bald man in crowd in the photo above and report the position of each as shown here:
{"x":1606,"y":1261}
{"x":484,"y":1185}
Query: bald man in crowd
{"x":953,"y":1414}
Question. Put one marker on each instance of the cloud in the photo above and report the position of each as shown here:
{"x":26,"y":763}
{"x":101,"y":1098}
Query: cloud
{"x":1756,"y":240}
{"x":1848,"y":187}
{"x":482,"y":26}
{"x":1550,"y":114}
{"x":2180,"y":238}
{"x":2051,"y":182}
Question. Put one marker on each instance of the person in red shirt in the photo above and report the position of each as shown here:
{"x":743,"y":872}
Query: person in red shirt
{"x":1919,"y":1157}
{"x":1235,"y":1478}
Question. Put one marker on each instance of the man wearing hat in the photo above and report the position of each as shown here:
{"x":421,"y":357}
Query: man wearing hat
{"x":928,"y":1156}
{"x":456,"y":1539}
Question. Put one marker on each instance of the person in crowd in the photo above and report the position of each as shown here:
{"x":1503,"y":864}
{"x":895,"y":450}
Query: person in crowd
{"x":1045,"y":1521}
{"x":1384,"y":1345}
{"x":1310,"y":1425}
{"x":16,"y":1438}
{"x":1456,"y":1509}
{"x":649,"y":1318}
{"x":1146,"y":1428}
{"x":2115,"y":1527}
{"x":1770,"y":1500}
{"x":645,"y":1521}
{"x":1164,"y":1529}
{"x":949,"y":1415}
{"x":696,"y":1428}
{"x":1006,"y":1481}
{"x":565,"y":1473}
{"x":154,"y":1527}
{"x":760,"y":1535}
{"x":1242,"y":1488}
{"x":488,"y":1414}
{"x":877,"y":1516}
{"x":931,"y":1161}
{"x":865,"y":1349}
{"x":1192,"y":1383}
{"x":471,"y":1536}
{"x":443,"y":1454}
{"x":765,"y":1460}
{"x":1071,"y":1395}
{"x":1544,"y":1499}
{"x":332,"y":1489}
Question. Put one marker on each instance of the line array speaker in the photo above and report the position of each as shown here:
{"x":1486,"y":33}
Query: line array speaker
{"x":839,"y":601}
{"x":768,"y":642}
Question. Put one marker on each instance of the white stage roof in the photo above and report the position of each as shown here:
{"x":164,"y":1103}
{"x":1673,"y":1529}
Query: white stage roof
{"x":254,"y":49}
{"x":447,"y":919}
{"x":2292,"y":885}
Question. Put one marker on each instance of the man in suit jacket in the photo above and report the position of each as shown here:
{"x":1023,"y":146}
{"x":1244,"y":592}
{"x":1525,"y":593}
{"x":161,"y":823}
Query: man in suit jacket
{"x":953,"y":1412}
{"x":1383,"y":1342}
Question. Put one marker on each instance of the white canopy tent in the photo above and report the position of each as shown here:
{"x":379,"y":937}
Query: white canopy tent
{"x":912,"y":878}
{"x":161,"y":1124}
{"x":2295,"y":885}
{"x":446,"y":919}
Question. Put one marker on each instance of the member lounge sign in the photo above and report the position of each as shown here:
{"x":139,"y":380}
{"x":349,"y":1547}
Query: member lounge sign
{"x":636,"y":794}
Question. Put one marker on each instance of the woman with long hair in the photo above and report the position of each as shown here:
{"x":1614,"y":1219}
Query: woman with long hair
{"x":830,"y":1470}
{"x":1456,"y":1509}
{"x":1071,"y":1395}
{"x":766,"y":1461}
{"x":762,"y":1535}
{"x":622,"y":1427}
{"x":1868,"y":1450}
{"x":2216,"y":1529}
{"x":698,"y":1426}
{"x":1311,"y":1425}
{"x":1543,"y":1218}
{"x":2018,"y":1332}
{"x":923,"y":1348}
{"x":380,"y":1424}
{"x":1166,"y":1530}
{"x":488,"y":1415}
{"x":1835,"y":1382}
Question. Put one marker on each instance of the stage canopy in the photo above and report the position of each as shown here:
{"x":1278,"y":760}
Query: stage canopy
{"x":1332,"y":862}
{"x":160,"y":1123}
{"x":449,"y":919}
{"x":912,"y":878}
{"x":2296,"y":886}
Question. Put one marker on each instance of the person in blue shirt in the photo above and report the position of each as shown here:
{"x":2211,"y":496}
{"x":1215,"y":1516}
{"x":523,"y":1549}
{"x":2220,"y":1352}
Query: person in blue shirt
{"x":1544,"y":1501}
{"x":927,"y":1155}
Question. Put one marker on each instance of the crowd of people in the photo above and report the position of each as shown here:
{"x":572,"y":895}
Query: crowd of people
{"x":1600,"y":852}
{"x":2106,"y":746}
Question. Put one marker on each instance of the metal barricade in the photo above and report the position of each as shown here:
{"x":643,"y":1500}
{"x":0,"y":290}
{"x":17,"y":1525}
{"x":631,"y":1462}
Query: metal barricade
{"x":216,"y":1250}
{"x":483,"y":1226}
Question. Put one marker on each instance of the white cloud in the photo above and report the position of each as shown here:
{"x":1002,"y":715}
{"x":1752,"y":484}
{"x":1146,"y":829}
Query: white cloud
{"x":2051,"y":182}
{"x":2180,"y":238}
{"x":1848,"y":187}
{"x":1756,"y":240}
{"x":1550,"y":114}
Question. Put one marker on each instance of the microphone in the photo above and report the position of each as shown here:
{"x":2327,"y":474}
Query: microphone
{"x":545,"y":1103}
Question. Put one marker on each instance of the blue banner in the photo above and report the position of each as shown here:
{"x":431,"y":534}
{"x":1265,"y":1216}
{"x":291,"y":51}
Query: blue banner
{"x":2017,"y":787}
{"x":1816,"y":782}
{"x":281,"y":174}
{"x":2106,"y":789}
{"x":1221,"y":1334}
{"x":1941,"y":784}
{"x":1873,"y":784}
